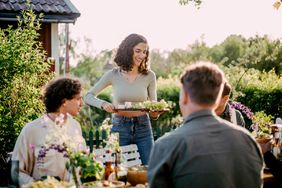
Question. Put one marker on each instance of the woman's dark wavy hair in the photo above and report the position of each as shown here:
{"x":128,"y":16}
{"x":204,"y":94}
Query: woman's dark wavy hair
{"x":124,"y":53}
{"x":59,"y":90}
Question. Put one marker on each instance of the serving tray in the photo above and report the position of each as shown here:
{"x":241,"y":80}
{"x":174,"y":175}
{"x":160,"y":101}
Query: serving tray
{"x":140,"y":109}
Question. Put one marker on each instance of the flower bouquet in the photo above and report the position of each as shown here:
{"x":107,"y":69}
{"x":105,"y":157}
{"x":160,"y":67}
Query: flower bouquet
{"x":80,"y":165}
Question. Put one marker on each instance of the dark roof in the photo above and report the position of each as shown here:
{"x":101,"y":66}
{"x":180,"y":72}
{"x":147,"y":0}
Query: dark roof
{"x":61,"y":11}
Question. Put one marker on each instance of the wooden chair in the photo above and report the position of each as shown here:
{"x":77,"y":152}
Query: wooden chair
{"x":278,"y":120}
{"x":129,"y":155}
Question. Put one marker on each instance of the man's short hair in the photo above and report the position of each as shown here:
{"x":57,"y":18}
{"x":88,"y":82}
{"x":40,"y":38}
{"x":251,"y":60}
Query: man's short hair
{"x":202,"y":81}
{"x":226,"y":89}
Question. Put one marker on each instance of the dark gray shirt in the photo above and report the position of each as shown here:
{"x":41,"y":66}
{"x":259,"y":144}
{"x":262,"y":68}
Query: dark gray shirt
{"x":206,"y":151}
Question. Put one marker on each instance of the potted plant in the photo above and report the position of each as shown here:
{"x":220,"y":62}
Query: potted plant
{"x":262,"y":127}
{"x":89,"y":168}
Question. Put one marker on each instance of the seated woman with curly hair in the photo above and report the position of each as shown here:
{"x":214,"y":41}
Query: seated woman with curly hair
{"x":41,"y":147}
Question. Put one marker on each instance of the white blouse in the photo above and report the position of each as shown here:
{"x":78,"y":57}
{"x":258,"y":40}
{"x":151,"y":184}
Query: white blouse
{"x":38,"y":133}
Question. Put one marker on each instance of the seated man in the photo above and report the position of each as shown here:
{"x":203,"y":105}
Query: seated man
{"x":225,"y":112}
{"x":206,"y":151}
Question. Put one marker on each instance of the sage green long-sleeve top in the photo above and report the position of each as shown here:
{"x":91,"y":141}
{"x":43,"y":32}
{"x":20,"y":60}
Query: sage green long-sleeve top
{"x":141,"y":89}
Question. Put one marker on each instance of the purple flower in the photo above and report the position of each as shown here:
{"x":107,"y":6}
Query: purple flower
{"x":244,"y":109}
{"x":60,"y":149}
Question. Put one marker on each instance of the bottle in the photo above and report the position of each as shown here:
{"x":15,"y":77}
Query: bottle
{"x":122,"y":174}
{"x":276,"y":145}
{"x":108,"y":165}
{"x":120,"y":171}
{"x":117,"y":161}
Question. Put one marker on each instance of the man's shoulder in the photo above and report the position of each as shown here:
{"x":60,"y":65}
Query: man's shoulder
{"x":170,"y":137}
{"x":238,"y":112}
{"x":235,"y":128}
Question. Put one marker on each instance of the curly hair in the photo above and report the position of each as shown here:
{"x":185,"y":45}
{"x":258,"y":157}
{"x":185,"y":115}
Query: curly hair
{"x":124,"y":53}
{"x":59,"y":90}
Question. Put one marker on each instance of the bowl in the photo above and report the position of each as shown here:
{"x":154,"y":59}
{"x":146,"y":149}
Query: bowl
{"x":263,"y":140}
{"x":137,"y":175}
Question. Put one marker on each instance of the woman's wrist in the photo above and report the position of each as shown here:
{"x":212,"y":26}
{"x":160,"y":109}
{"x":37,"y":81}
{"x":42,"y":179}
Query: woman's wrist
{"x":102,"y":106}
{"x":154,"y":117}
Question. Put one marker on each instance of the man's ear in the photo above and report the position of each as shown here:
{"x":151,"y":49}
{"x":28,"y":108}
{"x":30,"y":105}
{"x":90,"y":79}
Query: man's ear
{"x":185,"y":98}
{"x":225,"y":98}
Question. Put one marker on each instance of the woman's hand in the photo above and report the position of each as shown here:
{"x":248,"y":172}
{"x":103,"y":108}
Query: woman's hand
{"x":108,"y":107}
{"x":155,"y":114}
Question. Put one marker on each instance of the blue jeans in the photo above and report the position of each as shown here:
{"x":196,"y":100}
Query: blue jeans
{"x":135,"y":130}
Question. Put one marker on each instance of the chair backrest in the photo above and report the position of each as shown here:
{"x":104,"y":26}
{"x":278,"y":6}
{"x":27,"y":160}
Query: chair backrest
{"x":129,"y":155}
{"x":13,"y":171}
{"x":278,"y":120}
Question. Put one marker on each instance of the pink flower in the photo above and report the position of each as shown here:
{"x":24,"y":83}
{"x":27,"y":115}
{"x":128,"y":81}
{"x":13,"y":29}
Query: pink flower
{"x":32,"y":147}
{"x":255,"y":127}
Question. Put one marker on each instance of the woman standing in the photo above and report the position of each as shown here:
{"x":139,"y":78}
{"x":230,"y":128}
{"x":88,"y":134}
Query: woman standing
{"x":133,"y":82}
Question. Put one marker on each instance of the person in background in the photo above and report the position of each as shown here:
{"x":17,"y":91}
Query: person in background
{"x":132,"y":81}
{"x":225,"y":111}
{"x":63,"y":100}
{"x":206,"y":151}
{"x":274,"y":165}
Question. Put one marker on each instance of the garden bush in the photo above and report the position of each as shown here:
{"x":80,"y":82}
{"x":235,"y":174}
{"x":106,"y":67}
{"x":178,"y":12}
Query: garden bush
{"x":24,"y":71}
{"x":260,"y":91}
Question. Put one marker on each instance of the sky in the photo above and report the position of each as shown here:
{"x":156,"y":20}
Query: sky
{"x":168,"y":25}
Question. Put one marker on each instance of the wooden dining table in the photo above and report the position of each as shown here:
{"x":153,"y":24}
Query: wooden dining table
{"x":269,"y":180}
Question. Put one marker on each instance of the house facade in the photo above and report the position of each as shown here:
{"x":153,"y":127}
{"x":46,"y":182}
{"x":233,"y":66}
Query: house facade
{"x":54,"y":11}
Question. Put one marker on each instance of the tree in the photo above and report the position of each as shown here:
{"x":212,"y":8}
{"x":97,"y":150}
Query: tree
{"x":233,"y":48}
{"x":277,"y":4}
{"x":198,"y":51}
{"x":24,"y":71}
{"x":263,"y":54}
{"x":91,"y":68}
{"x":159,"y":63}
{"x":197,"y":3}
